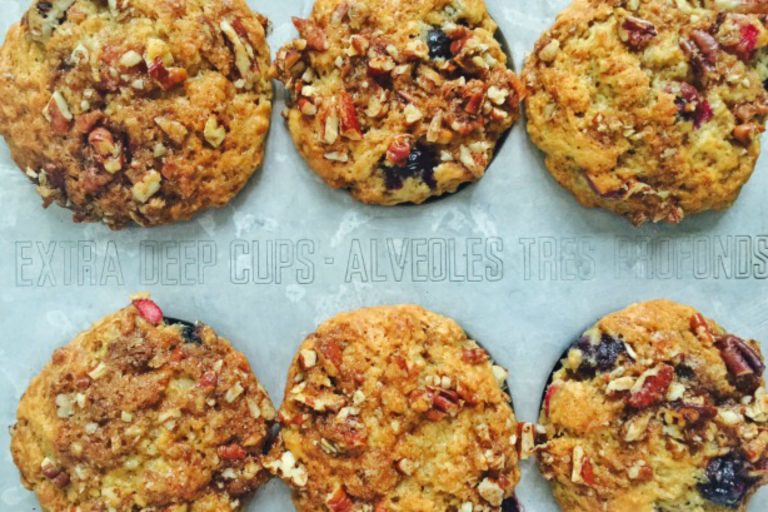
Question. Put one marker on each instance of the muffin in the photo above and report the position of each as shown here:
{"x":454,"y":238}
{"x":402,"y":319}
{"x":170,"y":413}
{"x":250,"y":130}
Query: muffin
{"x":656,"y":408}
{"x":400,"y":101}
{"x":143,"y":412}
{"x":396,"y":409}
{"x":651,"y":109}
{"x":143,"y":112}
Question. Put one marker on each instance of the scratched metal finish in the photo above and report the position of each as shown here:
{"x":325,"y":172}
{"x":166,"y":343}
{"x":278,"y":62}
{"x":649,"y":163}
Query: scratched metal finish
{"x":512,"y":258}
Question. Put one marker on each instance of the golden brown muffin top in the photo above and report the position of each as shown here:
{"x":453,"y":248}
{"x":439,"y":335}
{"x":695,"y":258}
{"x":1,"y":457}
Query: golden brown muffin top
{"x":143,"y":413}
{"x":652,"y":109}
{"x":140,"y":111}
{"x":398,"y":101}
{"x":656,"y":408}
{"x":396,"y":409}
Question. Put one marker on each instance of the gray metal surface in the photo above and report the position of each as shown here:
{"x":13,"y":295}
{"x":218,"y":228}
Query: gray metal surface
{"x":513,"y":258}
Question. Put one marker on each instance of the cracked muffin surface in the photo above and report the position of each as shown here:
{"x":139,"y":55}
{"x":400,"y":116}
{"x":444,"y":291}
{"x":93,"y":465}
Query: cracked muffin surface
{"x":143,"y":412}
{"x":396,"y":409}
{"x":398,"y":101}
{"x":136,"y":112}
{"x":652,"y":109}
{"x":656,"y":408}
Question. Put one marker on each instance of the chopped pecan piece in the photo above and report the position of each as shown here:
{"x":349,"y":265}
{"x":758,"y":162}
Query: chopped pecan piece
{"x":474,"y":355}
{"x":700,"y":327}
{"x":694,"y":415}
{"x":333,"y":352}
{"x":166,"y":77}
{"x":446,"y":400}
{"x":350,"y":125}
{"x":232,"y":452}
{"x":637,"y":33}
{"x":108,"y":151}
{"x":651,"y":387}
{"x":58,"y":114}
{"x":55,"y":474}
{"x":582,"y":471}
{"x":740,"y":358}
{"x":399,"y":151}
{"x":551,"y":390}
{"x":702,"y":50}
{"x":312,"y":33}
{"x":338,"y":501}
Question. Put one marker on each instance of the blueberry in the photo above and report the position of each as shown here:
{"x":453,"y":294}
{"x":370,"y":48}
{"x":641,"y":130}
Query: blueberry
{"x":684,"y":371}
{"x":608,"y":353}
{"x":189,"y":331}
{"x":44,"y":7}
{"x":439,"y":44}
{"x":727,"y":482}
{"x":601,"y":357}
{"x":510,"y":505}
{"x":421,"y":163}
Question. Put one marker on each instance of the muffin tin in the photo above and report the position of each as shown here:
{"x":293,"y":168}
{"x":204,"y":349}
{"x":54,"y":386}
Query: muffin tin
{"x":512,"y":258}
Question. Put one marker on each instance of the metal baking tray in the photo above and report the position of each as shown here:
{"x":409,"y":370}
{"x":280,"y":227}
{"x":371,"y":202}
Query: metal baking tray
{"x":512,"y":258}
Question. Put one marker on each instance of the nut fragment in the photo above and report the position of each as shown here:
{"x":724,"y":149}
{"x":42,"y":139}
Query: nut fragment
{"x":412,"y":114}
{"x":700,"y":327}
{"x":306,"y":107}
{"x":338,"y":501}
{"x":214,"y":132}
{"x":620,"y":384}
{"x":307,"y":358}
{"x":174,"y":129}
{"x":350,"y":125}
{"x":741,"y":359}
{"x":57,"y":113}
{"x":527,"y":440}
{"x":406,"y":466}
{"x":549,"y":52}
{"x":381,"y":65}
{"x":637,"y":33}
{"x":288,"y":467}
{"x":234,"y":392}
{"x":108,"y":152}
{"x":65,"y":406}
{"x":636,"y":428}
{"x":242,"y":58}
{"x":331,"y":129}
{"x":312,"y":33}
{"x":54,"y":473}
{"x":581,"y":472}
{"x":651,"y":387}
{"x":491,"y":492}
{"x":147,"y":187}
{"x":130,"y":59}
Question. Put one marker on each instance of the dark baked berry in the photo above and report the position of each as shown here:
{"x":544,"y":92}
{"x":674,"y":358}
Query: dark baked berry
{"x":684,"y":371}
{"x":692,"y":107}
{"x":439,"y":44}
{"x":727,"y":482}
{"x":44,"y":7}
{"x":608,"y":353}
{"x":421,"y":163}
{"x":510,"y":505}
{"x":189,"y":331}
{"x":601,"y":357}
